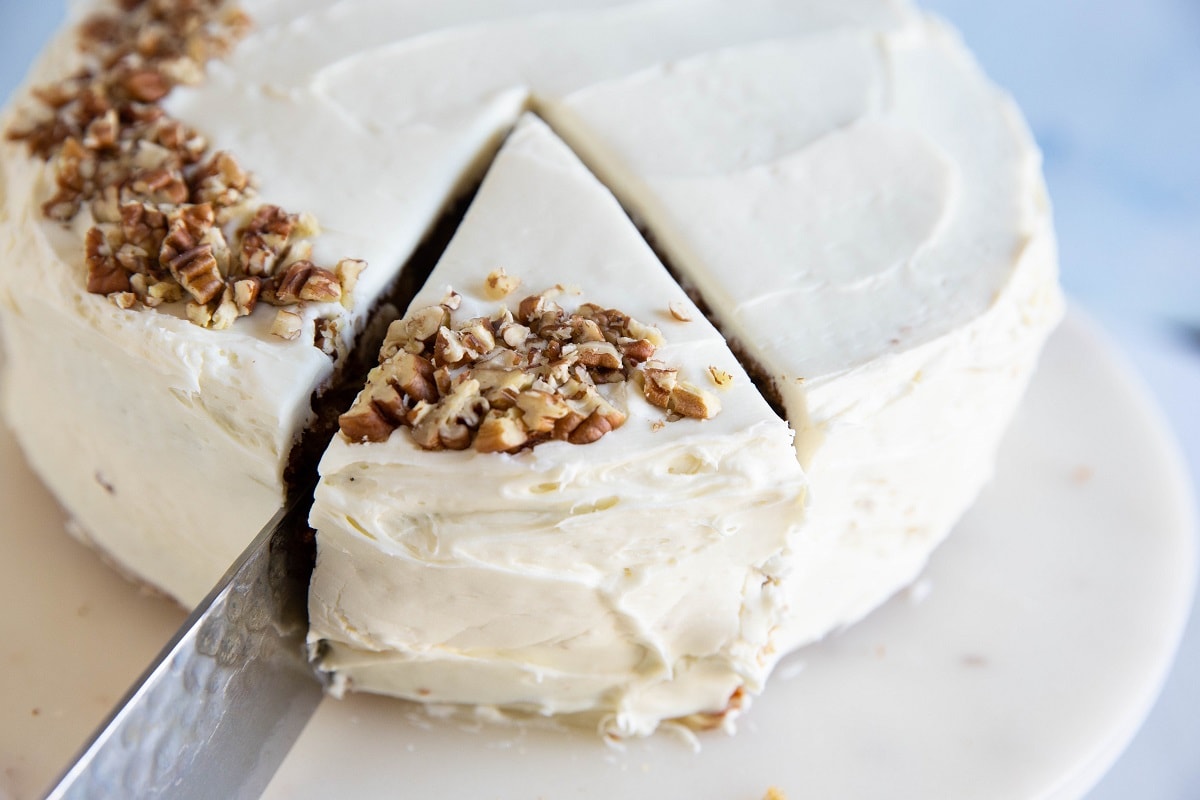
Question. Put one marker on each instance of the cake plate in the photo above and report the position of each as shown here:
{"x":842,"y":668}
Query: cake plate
{"x":1018,"y":666}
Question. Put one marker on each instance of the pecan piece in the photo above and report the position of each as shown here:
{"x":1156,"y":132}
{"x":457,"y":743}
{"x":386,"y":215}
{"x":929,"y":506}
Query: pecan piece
{"x":638,"y":351}
{"x":658,"y":383}
{"x":198,"y":273}
{"x":364,"y":423}
{"x":220,"y":181}
{"x":691,"y":401}
{"x":414,"y":375}
{"x":321,"y":286}
{"x":591,"y":429}
{"x":720,"y":377}
{"x":347,"y":272}
{"x":146,"y":85}
{"x":104,"y":274}
{"x":245,"y":294}
{"x":160,"y":185}
{"x":499,"y":284}
{"x":541,"y":410}
{"x":680,"y":311}
{"x":500,"y":432}
{"x":303,"y":280}
{"x":287,"y":324}
{"x":449,"y":425}
{"x":598,"y":355}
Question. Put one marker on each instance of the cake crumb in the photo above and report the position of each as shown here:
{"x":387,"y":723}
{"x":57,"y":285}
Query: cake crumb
{"x":774,"y":793}
{"x":720,"y":377}
{"x":499,"y":284}
{"x":680,"y":312}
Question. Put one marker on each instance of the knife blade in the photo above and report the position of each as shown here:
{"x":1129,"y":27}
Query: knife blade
{"x":218,"y":710}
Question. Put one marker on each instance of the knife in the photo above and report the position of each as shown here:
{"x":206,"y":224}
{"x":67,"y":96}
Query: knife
{"x":220,"y":707}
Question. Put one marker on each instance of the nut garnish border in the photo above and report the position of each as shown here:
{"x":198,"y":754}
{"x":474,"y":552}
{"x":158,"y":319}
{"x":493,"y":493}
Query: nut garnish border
{"x":174,"y":222}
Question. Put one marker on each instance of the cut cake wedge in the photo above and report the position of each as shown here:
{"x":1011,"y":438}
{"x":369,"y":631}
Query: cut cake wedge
{"x":633,"y":578}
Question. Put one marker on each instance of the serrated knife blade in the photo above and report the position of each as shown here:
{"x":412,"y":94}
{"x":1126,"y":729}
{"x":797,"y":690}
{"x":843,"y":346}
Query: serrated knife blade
{"x":219,"y":709}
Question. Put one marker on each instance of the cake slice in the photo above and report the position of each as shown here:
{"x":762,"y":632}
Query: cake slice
{"x":618,"y":560}
{"x":877,"y":241}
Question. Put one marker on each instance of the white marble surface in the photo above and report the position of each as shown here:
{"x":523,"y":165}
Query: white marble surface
{"x":1112,"y":92}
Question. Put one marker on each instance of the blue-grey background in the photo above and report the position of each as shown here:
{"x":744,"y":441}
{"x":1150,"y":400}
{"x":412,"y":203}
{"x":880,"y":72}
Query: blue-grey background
{"x":1111,"y":89}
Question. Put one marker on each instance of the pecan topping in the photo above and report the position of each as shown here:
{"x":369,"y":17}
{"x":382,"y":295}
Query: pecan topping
{"x":502,"y":385}
{"x":166,"y":208}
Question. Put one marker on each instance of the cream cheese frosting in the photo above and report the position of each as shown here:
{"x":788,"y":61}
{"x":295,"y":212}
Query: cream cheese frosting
{"x":634,"y":577}
{"x":372,"y":116}
{"x":861,"y":210}
{"x":883,"y":253}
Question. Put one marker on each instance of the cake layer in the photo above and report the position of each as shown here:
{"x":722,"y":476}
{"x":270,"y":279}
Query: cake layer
{"x":631,"y":578}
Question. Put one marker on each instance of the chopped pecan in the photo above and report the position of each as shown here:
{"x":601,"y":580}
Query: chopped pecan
{"x":159,"y":185}
{"x":564,"y":427}
{"x":638,"y":351}
{"x":123,"y":300}
{"x":226,"y":311}
{"x":146,"y":85}
{"x":102,"y":133}
{"x":659,"y":382}
{"x":198,"y":273}
{"x":411,"y":333}
{"x":321,"y":286}
{"x":499,"y":284}
{"x":414,"y":375}
{"x":264,"y":239}
{"x":220,"y":181}
{"x":287,"y":324}
{"x":691,"y":401}
{"x":143,"y":225}
{"x":500,"y":432}
{"x":326,"y":336}
{"x":104,"y":274}
{"x":347,"y":272}
{"x":720,"y":377}
{"x":541,"y":410}
{"x":186,"y":227}
{"x":591,"y":429}
{"x":199,"y":314}
{"x":680,"y":311}
{"x":449,"y":425}
{"x":303,"y":280}
{"x":598,"y":355}
{"x":364,"y":423}
{"x":245,"y":294}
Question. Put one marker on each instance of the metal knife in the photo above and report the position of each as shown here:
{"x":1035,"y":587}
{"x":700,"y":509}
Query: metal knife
{"x":225,"y":700}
